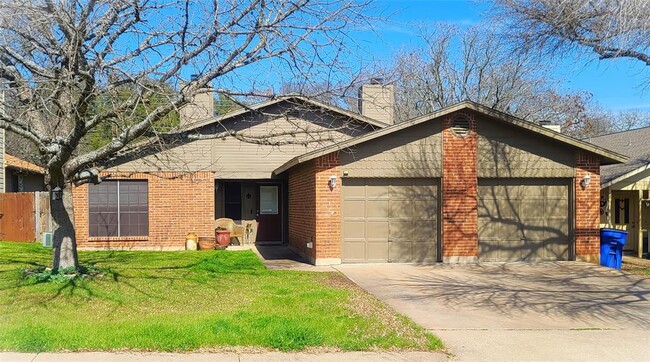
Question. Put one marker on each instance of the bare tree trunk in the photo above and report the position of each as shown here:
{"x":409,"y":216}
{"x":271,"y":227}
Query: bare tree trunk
{"x":64,"y":241}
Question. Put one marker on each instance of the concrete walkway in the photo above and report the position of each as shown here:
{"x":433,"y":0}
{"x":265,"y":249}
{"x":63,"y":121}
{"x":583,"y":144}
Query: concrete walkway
{"x":280,"y":257}
{"x":226,"y":357}
{"x":519,"y":311}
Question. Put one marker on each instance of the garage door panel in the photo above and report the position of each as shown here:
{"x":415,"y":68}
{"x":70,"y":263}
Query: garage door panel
{"x":400,"y":230}
{"x":353,"y":188}
{"x":556,"y":191}
{"x":425,"y":209}
{"x":424,"y":231}
{"x":531,"y":207}
{"x":354,"y":208}
{"x":510,"y":230}
{"x":523,"y":219}
{"x":556,"y":249}
{"x":424,"y":252}
{"x":374,"y":190}
{"x":511,"y":249}
{"x":400,"y":209}
{"x":489,"y":230}
{"x":377,"y":208}
{"x":377,"y":230}
{"x":416,"y":189}
{"x":489,"y":250}
{"x":377,"y":251}
{"x":498,"y":208}
{"x":555,"y":206}
{"x":401,"y":251}
{"x":354,"y":230}
{"x":354,"y":251}
{"x":403,"y":211}
{"x":558,"y":227}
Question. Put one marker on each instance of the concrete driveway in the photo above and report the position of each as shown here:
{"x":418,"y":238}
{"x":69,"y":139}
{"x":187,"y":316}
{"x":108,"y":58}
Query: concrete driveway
{"x":520,"y":311}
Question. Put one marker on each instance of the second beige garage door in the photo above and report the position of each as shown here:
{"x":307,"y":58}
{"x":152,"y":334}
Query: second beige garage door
{"x":389,"y":220}
{"x":523,"y":219}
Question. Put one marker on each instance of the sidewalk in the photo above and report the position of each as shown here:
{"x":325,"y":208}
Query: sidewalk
{"x":227,"y":357}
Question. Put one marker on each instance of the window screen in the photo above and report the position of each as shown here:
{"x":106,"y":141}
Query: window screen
{"x":118,"y":208}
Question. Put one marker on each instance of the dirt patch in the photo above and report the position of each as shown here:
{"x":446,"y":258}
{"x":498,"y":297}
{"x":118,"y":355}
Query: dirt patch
{"x":366,"y":305}
{"x":636,"y":269}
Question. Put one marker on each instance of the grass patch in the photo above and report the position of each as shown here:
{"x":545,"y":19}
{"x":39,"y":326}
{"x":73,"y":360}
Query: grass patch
{"x":183,"y":301}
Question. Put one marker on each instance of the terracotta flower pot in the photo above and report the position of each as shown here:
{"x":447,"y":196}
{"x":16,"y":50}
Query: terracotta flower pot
{"x":207,"y":243}
{"x":223,"y":237}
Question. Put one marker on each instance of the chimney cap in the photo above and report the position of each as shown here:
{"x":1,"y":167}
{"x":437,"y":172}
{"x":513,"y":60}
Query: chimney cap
{"x":377,"y":80}
{"x":194,"y":76}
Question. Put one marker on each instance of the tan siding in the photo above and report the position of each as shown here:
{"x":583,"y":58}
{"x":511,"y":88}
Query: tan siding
{"x":504,"y":151}
{"x":231,"y":158}
{"x":412,"y":152}
{"x":194,"y":156}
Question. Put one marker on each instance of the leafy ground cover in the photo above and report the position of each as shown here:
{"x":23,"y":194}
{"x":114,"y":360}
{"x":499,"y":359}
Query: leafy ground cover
{"x":636,"y":269}
{"x":183,"y":301}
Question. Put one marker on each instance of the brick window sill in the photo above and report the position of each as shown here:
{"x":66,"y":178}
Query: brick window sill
{"x":118,"y":238}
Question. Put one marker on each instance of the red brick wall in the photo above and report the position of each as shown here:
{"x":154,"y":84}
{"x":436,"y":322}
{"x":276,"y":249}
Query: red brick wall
{"x":178,"y":203}
{"x":459,"y":191}
{"x":314,"y":209}
{"x":587,"y":208}
{"x":328,"y":207}
{"x":302,"y":208}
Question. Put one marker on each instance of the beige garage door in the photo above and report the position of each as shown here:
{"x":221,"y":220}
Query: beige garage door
{"x":389,"y":220}
{"x":523,"y":219}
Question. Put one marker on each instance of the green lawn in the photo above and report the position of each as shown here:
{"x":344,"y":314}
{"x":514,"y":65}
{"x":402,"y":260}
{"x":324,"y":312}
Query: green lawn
{"x":182,"y":301}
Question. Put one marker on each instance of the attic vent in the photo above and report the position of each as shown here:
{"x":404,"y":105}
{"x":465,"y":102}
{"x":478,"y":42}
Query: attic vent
{"x":460,"y":127}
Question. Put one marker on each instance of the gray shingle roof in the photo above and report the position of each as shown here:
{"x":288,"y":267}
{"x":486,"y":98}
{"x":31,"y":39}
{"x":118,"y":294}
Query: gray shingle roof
{"x":634,"y":144}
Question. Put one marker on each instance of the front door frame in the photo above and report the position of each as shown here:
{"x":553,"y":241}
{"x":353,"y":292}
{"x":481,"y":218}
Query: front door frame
{"x":633,"y":221}
{"x":282,"y":195}
{"x":282,"y":202}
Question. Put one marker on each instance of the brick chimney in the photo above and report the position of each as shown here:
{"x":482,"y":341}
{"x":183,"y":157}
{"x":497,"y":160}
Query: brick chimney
{"x":377,"y":101}
{"x":201,"y":108}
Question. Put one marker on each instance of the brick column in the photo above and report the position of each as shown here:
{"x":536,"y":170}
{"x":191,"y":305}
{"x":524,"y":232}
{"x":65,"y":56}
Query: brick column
{"x":587,"y":209}
{"x":459,"y":193}
{"x":302,"y":210}
{"x":327,"y":240}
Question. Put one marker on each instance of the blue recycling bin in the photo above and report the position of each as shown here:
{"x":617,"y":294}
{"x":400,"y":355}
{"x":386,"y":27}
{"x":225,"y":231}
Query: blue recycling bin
{"x":611,"y":247}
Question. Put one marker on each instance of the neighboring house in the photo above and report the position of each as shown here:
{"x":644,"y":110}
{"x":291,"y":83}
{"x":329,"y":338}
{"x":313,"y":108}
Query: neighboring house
{"x":463,"y":184}
{"x":22,"y":176}
{"x":625,"y":188}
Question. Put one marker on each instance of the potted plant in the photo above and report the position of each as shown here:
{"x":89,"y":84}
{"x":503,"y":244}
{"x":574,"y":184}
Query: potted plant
{"x":223,"y":236}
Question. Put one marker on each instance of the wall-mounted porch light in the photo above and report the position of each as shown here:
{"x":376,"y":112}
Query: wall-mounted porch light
{"x":585,"y":181}
{"x":57,"y":193}
{"x":332,"y":182}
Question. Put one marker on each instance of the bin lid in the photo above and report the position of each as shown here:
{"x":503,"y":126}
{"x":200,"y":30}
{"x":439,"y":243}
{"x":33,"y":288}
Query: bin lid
{"x":613,"y":231}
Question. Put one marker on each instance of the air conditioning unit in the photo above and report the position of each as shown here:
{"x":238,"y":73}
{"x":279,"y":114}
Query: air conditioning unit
{"x":47,"y":240}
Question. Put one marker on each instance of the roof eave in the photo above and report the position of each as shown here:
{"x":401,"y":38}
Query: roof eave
{"x":607,"y":156}
{"x":625,"y":176}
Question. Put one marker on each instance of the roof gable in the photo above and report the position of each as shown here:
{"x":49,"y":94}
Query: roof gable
{"x":607,"y":156}
{"x":291,"y":102}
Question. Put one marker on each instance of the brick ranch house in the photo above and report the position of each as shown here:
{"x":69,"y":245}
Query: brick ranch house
{"x":463,"y":184}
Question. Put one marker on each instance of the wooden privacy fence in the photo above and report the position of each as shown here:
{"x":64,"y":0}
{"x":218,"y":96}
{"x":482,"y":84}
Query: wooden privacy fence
{"x":24,"y":216}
